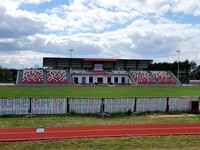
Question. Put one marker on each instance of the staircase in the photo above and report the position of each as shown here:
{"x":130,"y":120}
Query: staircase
{"x":45,"y":77}
{"x":175,"y":78}
{"x":69,"y":77}
{"x":156,"y":83}
{"x":131,"y":77}
{"x":19,"y":77}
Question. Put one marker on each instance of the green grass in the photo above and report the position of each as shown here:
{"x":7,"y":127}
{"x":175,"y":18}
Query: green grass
{"x":123,"y":143}
{"x":98,"y":91}
{"x":83,"y":120}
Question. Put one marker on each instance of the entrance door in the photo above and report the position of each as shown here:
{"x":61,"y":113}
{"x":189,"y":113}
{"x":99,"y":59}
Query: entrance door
{"x":109,"y":80}
{"x":76,"y":80}
{"x":90,"y":80}
{"x":123,"y":80}
{"x":100,"y":80}
{"x":116,"y":80}
{"x":83,"y":80}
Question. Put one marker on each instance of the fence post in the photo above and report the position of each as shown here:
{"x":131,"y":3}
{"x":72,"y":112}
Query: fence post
{"x":135,"y":105}
{"x":68,"y":105}
{"x":102,"y":108}
{"x":167,"y":104}
{"x":30,"y":109}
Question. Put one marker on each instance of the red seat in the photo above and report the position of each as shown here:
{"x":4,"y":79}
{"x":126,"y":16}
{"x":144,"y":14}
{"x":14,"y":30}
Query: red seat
{"x":142,"y":77}
{"x":56,"y":76}
{"x":32,"y":76}
{"x":163,"y":77}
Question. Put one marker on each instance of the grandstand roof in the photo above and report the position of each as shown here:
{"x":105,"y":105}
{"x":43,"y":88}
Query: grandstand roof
{"x":99,"y":59}
{"x":88,"y":63}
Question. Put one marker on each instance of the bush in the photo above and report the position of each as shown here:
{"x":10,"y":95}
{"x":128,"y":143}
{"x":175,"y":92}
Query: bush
{"x":129,"y":112}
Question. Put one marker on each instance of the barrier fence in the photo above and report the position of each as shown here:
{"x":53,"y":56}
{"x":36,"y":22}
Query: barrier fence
{"x":48,"y":105}
{"x":23,"y":106}
{"x":85,"y":105}
{"x":151,"y":104}
{"x":119,"y":105}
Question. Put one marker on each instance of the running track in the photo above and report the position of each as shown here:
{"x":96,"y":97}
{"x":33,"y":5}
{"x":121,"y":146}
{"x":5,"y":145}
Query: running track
{"x":24,"y":134}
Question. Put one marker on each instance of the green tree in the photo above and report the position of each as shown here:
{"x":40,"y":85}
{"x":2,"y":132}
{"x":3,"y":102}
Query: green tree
{"x":7,"y":75}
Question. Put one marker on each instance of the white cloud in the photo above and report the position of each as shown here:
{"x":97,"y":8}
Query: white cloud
{"x":8,"y":4}
{"x":98,"y":28}
{"x":188,"y":7}
{"x":17,"y":26}
{"x":14,"y":4}
{"x":159,"y":7}
{"x":23,"y":59}
{"x":80,"y":17}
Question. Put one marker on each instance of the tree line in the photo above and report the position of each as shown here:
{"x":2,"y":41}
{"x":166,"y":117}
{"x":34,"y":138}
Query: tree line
{"x":8,"y":75}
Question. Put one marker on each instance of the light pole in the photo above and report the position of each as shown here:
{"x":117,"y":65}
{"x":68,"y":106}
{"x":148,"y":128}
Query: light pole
{"x":71,"y":50}
{"x":178,"y":64}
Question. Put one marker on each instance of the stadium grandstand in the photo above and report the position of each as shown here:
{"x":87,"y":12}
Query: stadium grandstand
{"x":96,"y":71}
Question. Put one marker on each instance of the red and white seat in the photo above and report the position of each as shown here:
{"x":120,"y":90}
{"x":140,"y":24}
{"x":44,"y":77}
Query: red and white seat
{"x":163,"y":77}
{"x":56,"y":76}
{"x":142,"y":77}
{"x":32,"y":76}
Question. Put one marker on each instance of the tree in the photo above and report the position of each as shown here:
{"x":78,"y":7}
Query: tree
{"x":193,"y":65}
{"x":8,"y":75}
{"x":198,"y":75}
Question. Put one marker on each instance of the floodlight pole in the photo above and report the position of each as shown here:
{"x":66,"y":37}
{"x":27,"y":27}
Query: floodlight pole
{"x":71,"y":50}
{"x":178,"y":64}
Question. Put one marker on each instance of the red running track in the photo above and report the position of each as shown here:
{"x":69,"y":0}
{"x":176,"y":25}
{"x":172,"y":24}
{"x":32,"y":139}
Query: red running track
{"x":24,"y":134}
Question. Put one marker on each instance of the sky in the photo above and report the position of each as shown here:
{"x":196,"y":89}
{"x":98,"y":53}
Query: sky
{"x":123,"y":29}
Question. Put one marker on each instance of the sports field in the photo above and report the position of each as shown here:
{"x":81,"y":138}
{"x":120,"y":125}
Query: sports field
{"x":98,"y":91}
{"x":149,"y":142}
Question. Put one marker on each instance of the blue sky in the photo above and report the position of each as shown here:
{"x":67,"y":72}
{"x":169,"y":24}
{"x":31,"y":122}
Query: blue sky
{"x":43,"y":7}
{"x":126,"y":29}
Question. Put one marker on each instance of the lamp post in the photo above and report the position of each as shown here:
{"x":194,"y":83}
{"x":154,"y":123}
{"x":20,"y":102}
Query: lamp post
{"x":71,"y":50}
{"x":178,"y":64}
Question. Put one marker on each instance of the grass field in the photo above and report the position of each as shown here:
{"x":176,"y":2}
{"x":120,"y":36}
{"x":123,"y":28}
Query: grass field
{"x":83,"y":120}
{"x":123,"y":143}
{"x":108,"y":92}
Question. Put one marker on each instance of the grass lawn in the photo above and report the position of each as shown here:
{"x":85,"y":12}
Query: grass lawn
{"x":122,"y":143}
{"x":82,"y":120}
{"x":108,"y":92}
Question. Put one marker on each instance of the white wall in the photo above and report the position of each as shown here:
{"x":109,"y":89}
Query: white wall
{"x":102,"y":76}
